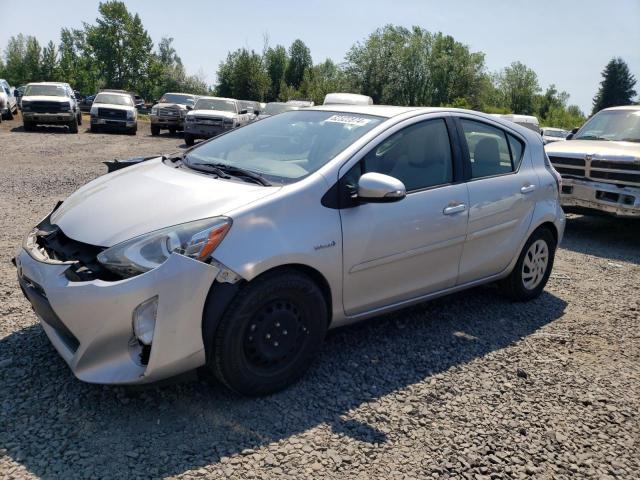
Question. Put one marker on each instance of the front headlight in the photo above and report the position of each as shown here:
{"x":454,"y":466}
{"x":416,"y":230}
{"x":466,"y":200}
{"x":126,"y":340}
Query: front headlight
{"x":195,"y":240}
{"x":25,"y":105}
{"x":154,"y":110}
{"x":93,"y":112}
{"x":190,"y":118}
{"x":131,"y":114}
{"x":65,"y":107}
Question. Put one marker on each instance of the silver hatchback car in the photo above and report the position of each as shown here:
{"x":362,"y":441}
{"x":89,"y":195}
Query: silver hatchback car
{"x":239,"y":254}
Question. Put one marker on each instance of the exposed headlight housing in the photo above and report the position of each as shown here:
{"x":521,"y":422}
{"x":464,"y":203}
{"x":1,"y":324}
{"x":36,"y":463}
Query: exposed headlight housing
{"x":93,"y":111}
{"x":154,"y":110}
{"x":65,"y":106}
{"x":195,"y":240}
{"x":131,"y":114}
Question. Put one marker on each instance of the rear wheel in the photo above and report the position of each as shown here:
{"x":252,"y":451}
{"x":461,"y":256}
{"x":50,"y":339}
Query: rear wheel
{"x":269,"y":334}
{"x":534,"y":265}
{"x":155,"y":130}
{"x":188,"y":139}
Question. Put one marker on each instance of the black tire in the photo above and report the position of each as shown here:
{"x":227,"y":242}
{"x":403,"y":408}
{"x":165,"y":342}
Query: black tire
{"x":133,"y":130}
{"x":9,"y":114}
{"x":94,"y":128}
{"x":155,"y":130}
{"x":188,"y":139}
{"x":29,"y":126}
{"x":269,"y":334}
{"x":73,"y":125}
{"x":173,"y":130}
{"x":79,"y":118}
{"x":514,"y":285}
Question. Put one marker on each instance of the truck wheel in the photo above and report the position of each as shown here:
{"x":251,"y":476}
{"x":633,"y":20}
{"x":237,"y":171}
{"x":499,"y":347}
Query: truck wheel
{"x":532,"y":270}
{"x":73,"y":125}
{"x":269,"y":334}
{"x":94,"y":128}
{"x":79,"y":118}
{"x":172,"y":130}
{"x":133,"y":130}
{"x":9,"y":114}
{"x":188,"y":139}
{"x":28,"y":126}
{"x":155,"y":130}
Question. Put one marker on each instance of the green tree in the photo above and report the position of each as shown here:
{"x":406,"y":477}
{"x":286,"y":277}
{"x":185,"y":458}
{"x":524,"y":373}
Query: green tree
{"x":32,"y":60}
{"x":616,"y":87}
{"x":76,"y":66}
{"x":120,"y":46}
{"x":319,"y":80}
{"x":242,"y":75}
{"x":49,"y":66}
{"x":14,"y":69}
{"x":551,"y":99}
{"x":299,"y":62}
{"x":275,"y":60}
{"x":519,"y":86}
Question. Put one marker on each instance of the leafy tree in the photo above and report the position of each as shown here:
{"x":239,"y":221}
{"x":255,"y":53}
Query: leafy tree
{"x":49,"y":66}
{"x":319,"y":80}
{"x":14,"y":69}
{"x":299,"y":62}
{"x":275,"y":60}
{"x":120,"y":46}
{"x":551,"y":99}
{"x":616,"y":87}
{"x":76,"y":66}
{"x":242,"y":75}
{"x":518,"y":85}
{"x":568,"y":118}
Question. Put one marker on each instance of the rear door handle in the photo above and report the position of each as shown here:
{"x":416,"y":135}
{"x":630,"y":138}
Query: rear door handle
{"x":527,"y":188}
{"x":453,"y":209}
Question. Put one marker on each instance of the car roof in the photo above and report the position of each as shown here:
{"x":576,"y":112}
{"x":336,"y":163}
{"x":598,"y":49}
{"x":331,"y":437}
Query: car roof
{"x":386,"y":111}
{"x":623,"y":107}
{"x":179,"y":93}
{"x":216,"y":98}
{"x":112,"y":92}
{"x":60,"y":84}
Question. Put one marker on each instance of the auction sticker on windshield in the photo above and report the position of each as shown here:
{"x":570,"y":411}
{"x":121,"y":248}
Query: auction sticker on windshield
{"x":349,"y":120}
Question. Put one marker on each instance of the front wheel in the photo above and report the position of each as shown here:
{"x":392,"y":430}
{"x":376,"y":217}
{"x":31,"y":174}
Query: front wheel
{"x":270,"y":333}
{"x":188,"y":139}
{"x":79,"y":118}
{"x":533,"y":268}
{"x":155,"y":130}
{"x":29,"y":126}
{"x":73,"y":125}
{"x":10,"y":114}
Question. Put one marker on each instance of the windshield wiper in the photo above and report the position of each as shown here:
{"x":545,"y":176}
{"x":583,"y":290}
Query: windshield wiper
{"x":208,"y":168}
{"x":591,"y":137}
{"x":241,"y":172}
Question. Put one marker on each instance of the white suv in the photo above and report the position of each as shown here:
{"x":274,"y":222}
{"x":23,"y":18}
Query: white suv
{"x":239,"y":254}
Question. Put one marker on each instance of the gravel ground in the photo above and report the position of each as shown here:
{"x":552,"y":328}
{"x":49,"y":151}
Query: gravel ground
{"x":468,"y":386}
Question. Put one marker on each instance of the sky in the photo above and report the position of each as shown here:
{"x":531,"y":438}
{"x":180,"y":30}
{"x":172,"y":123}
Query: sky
{"x":567,"y":42}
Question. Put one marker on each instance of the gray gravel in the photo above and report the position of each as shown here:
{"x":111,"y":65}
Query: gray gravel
{"x":469,"y":386}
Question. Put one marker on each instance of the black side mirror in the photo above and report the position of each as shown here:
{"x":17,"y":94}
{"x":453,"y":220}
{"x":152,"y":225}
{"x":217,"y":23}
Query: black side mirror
{"x":242,"y":112}
{"x":189,"y":107}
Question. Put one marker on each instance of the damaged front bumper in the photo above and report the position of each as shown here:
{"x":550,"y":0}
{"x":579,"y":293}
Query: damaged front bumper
{"x":90,"y":323}
{"x":603,"y":197}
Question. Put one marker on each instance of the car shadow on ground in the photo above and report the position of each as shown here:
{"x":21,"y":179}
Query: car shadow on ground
{"x":603,"y":236}
{"x":43,"y":129}
{"x":58,"y":427}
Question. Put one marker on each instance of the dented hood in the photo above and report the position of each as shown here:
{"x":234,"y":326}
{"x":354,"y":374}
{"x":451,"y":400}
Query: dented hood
{"x":147,"y":197}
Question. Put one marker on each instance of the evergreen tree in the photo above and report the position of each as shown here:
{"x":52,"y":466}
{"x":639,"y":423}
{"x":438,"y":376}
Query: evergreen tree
{"x":616,"y":87}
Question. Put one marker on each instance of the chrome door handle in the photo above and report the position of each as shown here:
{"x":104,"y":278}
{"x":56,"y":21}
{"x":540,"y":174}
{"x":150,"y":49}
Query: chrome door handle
{"x":453,"y":209}
{"x":527,"y":188}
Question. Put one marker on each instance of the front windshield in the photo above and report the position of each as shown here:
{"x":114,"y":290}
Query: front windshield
{"x":215,"y":104}
{"x":285,"y":148}
{"x":177,"y":98}
{"x":556,"y":133}
{"x":113,"y":99}
{"x":47,"y":90}
{"x":275,"y":108}
{"x":615,"y":125}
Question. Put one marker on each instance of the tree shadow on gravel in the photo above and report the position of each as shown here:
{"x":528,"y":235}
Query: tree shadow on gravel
{"x":43,"y":129}
{"x":58,"y":427}
{"x":603,"y":236}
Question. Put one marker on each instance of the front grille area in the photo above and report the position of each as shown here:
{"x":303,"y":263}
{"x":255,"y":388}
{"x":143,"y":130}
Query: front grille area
{"x":618,"y":172}
{"x":49,"y":107}
{"x":112,"y":114}
{"x":168,"y":112}
{"x":209,"y":121}
{"x":57,"y":246}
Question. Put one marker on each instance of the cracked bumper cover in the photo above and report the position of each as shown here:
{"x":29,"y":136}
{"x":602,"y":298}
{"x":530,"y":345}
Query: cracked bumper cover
{"x":604,"y":197}
{"x":98,"y":314}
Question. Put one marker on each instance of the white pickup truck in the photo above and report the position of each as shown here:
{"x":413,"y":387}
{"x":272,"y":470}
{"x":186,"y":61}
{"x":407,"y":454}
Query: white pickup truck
{"x":600,"y":164}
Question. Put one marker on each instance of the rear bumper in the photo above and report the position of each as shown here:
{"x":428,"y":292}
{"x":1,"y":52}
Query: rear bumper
{"x":90,"y":322}
{"x":603,"y":197}
{"x":48,"y":118}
